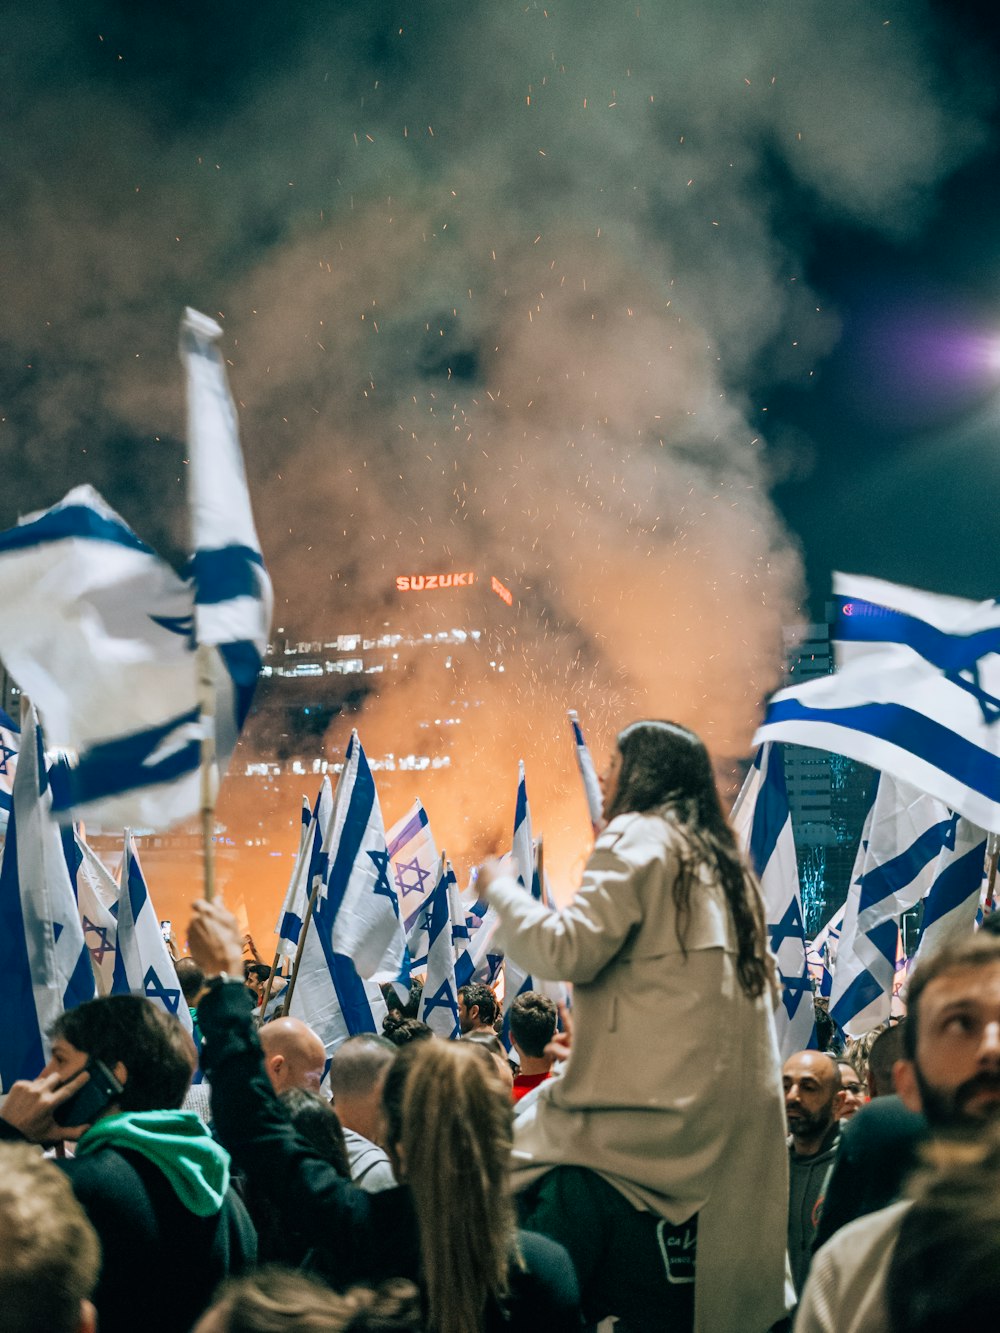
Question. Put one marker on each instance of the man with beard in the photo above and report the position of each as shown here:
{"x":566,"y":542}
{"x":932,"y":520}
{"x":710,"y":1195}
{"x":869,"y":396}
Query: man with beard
{"x":812,"y":1104}
{"x":951,"y":1072}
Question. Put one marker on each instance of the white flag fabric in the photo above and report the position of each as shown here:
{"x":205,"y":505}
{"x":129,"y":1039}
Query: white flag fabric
{"x":523,"y":847}
{"x":588,"y":775}
{"x":97,"y":896}
{"x":143,"y":965}
{"x":763,"y":827}
{"x":908,"y":843}
{"x":10,"y":740}
{"x":309,"y":865}
{"x":916,"y":694}
{"x":43,"y":959}
{"x":414,"y":859}
{"x":367,"y":927}
{"x":103,"y":634}
{"x":439,"y":1001}
{"x":821,"y":953}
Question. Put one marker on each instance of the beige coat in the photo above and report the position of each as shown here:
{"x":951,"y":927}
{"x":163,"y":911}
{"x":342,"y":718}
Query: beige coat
{"x":673,"y":1089}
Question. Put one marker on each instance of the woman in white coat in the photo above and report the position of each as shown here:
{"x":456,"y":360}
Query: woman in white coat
{"x":672,"y":1093}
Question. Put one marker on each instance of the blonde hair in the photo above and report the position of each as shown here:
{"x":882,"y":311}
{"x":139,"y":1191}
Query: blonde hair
{"x":450,"y":1118}
{"x":50,"y":1255}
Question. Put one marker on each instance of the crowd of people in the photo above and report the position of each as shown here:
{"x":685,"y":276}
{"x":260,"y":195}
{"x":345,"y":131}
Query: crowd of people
{"x":647,"y":1163}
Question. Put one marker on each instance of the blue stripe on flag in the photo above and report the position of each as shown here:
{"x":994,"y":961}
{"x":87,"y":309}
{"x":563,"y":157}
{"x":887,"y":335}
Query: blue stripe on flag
{"x":124,"y":765}
{"x":21,"y":1051}
{"x":955,"y":885}
{"x":68,"y":522}
{"x":909,"y":731}
{"x":870,"y":623}
{"x":886,"y":880}
{"x":409,"y":830}
{"x":770,"y":812}
{"x":225,"y":573}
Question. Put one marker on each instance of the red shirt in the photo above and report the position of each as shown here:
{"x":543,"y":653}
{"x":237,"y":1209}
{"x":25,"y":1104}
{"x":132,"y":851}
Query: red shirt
{"x":525,"y":1082}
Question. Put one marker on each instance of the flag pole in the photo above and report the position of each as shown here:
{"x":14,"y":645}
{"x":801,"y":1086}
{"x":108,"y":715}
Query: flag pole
{"x":270,"y":981}
{"x":992,"y":849}
{"x":307,"y":921}
{"x":209,"y":776}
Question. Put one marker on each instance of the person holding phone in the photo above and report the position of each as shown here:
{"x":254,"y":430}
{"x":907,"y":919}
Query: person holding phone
{"x":153,"y":1182}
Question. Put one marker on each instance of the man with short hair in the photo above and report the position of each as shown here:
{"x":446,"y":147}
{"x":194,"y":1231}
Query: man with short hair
{"x":477,"y":1008}
{"x":951,"y":1073}
{"x":532,"y":1026}
{"x":49,"y":1252}
{"x":886,"y":1049}
{"x":294,"y":1055}
{"x":357,"y":1072}
{"x":811,"y":1080}
{"x":153,"y":1182}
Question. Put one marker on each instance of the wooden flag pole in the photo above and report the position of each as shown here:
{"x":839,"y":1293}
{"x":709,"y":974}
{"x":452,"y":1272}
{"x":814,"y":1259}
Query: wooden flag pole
{"x":992,"y":848}
{"x":270,"y":982}
{"x":209,"y":773}
{"x":307,"y":921}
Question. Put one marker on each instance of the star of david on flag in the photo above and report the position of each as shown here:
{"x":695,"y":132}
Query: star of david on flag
{"x":9,"y":743}
{"x":143,"y":965}
{"x":414,"y":857}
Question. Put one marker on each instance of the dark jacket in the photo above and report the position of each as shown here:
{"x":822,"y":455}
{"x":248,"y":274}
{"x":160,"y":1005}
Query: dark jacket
{"x":806,"y":1179}
{"x":161,"y":1263}
{"x":361,"y":1237}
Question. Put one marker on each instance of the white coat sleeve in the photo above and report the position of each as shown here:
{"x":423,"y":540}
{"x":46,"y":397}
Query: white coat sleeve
{"x":573,"y":944}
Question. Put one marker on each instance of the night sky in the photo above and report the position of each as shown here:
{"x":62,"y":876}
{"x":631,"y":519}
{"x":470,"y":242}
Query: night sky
{"x":658,"y":312}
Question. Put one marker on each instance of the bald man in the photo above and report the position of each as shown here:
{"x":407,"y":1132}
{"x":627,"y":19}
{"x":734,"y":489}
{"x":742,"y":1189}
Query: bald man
{"x":357,"y":1073}
{"x":812,"y":1086}
{"x":294,"y":1056}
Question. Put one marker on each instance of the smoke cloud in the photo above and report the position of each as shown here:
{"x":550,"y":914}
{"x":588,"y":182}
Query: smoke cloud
{"x":505,"y":287}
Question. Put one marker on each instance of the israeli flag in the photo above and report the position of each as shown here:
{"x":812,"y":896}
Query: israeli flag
{"x":951,"y":906}
{"x":143,"y":965}
{"x":414,"y":859}
{"x":908,"y":843}
{"x":479,"y":959}
{"x":10,"y":740}
{"x":367,"y":927}
{"x":916,"y":695}
{"x":97,"y":897}
{"x":821,"y":953}
{"x":43,"y":959}
{"x":103,"y":634}
{"x":523,"y":848}
{"x":439,"y":1002}
{"x":588,"y":775}
{"x":309,"y":866}
{"x":763,"y":827}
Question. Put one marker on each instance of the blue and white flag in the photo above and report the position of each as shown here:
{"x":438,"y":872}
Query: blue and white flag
{"x":479,"y":959}
{"x":414,"y":859}
{"x":43,"y":959}
{"x":909,"y":841}
{"x":588,"y":774}
{"x":951,"y":906}
{"x":103,"y":634}
{"x":523,"y":846}
{"x":367,"y":927}
{"x":439,"y":1001}
{"x":310,"y":865}
{"x":10,"y":741}
{"x":763,"y":827}
{"x":821,"y":953}
{"x":97,"y":897}
{"x":232,"y":591}
{"x":143,"y":965}
{"x":916,"y":694}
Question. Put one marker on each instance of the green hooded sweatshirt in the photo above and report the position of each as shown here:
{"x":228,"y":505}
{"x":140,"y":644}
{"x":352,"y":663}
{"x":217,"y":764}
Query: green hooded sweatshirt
{"x":175,"y":1141}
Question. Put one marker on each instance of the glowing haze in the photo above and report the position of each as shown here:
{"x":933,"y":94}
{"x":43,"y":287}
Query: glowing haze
{"x":502,"y":285}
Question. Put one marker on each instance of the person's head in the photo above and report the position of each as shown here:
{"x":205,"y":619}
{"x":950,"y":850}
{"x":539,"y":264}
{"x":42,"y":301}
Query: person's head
{"x":477,"y":1007}
{"x":533,"y":1020}
{"x":401,"y":1031}
{"x":147,"y":1050}
{"x":395,"y":1006}
{"x":294,"y":1056}
{"x":49,"y":1253}
{"x":192,"y":980}
{"x":944,"y":1272}
{"x":487,"y":1041}
{"x":318,"y":1123}
{"x":951,"y":1040}
{"x":811,"y":1080}
{"x":357,"y":1072}
{"x":662,"y":766}
{"x":255,"y":977}
{"x":279,"y":1300}
{"x":448,"y":1133}
{"x":885,"y":1050}
{"x":852,"y":1091}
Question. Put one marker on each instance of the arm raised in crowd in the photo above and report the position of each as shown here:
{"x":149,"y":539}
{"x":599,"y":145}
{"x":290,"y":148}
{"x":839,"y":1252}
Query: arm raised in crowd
{"x":253,"y":1125}
{"x":574,"y":944}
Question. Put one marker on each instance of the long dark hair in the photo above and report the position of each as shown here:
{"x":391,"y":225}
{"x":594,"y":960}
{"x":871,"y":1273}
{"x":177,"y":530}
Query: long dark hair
{"x":666,"y":768}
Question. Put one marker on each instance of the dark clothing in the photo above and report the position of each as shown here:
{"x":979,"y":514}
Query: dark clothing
{"x":806,"y":1178}
{"x":629,"y":1263}
{"x":360,"y":1237}
{"x":879,"y":1147}
{"x":161,"y":1263}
